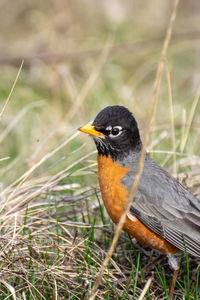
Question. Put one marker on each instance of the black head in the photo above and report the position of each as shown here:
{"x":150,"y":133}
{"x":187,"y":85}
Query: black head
{"x":115,"y":132}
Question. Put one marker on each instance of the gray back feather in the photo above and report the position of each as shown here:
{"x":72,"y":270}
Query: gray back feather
{"x":164,"y":205}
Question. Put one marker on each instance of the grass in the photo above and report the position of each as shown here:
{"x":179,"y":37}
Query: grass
{"x":55,"y":232}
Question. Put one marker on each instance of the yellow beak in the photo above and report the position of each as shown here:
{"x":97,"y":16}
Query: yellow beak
{"x":92,"y":131}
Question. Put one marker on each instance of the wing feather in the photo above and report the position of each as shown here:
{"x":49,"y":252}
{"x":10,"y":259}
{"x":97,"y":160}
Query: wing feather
{"x":166,"y":207}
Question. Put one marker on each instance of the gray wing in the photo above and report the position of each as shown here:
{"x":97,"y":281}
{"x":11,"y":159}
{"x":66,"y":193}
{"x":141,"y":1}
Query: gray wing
{"x":166,"y":207}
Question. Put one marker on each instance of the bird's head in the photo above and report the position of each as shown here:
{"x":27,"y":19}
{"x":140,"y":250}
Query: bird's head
{"x":115,"y":132}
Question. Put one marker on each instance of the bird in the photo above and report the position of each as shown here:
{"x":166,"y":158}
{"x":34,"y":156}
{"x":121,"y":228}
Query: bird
{"x":163,"y":214}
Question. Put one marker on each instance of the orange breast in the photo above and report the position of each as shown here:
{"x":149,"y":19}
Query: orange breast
{"x":115,"y":194}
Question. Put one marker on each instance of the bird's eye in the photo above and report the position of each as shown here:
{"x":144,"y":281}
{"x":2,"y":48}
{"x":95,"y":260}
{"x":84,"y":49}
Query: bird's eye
{"x":115,"y":131}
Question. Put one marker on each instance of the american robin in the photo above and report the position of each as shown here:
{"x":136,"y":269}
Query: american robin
{"x":163,"y":214}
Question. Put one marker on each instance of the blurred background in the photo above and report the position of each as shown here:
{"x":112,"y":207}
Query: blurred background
{"x":80,"y":56}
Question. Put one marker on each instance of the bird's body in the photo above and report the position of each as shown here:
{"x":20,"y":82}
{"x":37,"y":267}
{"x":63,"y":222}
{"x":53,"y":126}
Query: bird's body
{"x":114,"y":195}
{"x":163,"y":214}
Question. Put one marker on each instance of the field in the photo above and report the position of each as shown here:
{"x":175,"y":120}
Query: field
{"x":61,"y":63}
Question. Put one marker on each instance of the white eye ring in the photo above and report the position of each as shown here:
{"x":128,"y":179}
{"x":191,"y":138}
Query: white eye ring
{"x":109,"y":128}
{"x":114,"y":131}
